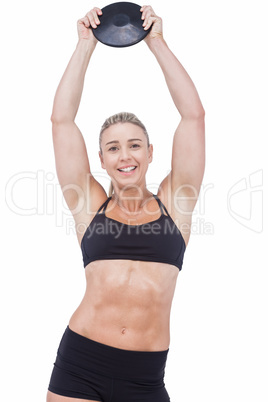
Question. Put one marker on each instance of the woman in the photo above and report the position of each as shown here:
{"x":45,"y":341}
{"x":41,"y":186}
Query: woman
{"x":116,"y":344}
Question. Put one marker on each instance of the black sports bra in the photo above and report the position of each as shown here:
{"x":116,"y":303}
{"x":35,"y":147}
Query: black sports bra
{"x":156,"y":241}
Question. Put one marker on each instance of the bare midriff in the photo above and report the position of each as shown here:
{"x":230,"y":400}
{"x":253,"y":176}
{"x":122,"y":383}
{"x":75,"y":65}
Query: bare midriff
{"x":127,"y":304}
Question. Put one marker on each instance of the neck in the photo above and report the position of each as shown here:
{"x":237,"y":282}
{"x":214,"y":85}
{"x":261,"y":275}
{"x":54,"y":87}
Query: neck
{"x":131,"y":200}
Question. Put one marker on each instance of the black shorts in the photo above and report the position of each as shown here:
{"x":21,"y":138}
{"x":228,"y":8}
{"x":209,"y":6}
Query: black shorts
{"x":87,"y":369}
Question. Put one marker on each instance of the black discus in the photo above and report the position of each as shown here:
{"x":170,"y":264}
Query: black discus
{"x":120,"y":25}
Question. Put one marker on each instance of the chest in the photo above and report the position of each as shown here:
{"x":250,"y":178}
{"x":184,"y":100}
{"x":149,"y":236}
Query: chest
{"x":158,"y":241}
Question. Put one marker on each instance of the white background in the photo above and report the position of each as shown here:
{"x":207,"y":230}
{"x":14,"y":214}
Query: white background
{"x":219,"y":328}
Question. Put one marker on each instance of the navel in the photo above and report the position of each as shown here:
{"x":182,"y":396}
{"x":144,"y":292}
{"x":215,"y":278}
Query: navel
{"x":123,"y":331}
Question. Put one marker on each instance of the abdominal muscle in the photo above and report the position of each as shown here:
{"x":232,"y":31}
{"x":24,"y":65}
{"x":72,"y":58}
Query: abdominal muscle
{"x":127,"y":304}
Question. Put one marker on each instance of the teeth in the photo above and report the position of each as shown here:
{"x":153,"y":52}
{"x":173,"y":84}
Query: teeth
{"x":128,"y":169}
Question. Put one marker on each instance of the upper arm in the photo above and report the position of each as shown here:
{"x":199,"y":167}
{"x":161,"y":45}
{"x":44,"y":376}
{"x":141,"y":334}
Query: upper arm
{"x":188,"y":154}
{"x":72,"y":163}
{"x":188,"y":161}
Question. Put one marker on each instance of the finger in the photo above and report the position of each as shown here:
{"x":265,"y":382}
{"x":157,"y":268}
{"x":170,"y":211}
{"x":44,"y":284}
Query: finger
{"x":147,"y":13}
{"x":146,"y":10}
{"x":96,"y":11}
{"x":147,"y":16}
{"x":93,"y":17}
{"x":84,"y":21}
{"x":143,"y":11}
{"x":149,"y":22}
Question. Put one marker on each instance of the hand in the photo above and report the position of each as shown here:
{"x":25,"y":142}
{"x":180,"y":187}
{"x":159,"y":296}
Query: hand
{"x":151,"y":19}
{"x":84,"y":25}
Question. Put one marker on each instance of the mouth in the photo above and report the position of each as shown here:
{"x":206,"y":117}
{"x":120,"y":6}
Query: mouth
{"x":127,"y":170}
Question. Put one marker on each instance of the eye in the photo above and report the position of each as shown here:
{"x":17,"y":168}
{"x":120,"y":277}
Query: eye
{"x":135,"y":146}
{"x":112,"y":149}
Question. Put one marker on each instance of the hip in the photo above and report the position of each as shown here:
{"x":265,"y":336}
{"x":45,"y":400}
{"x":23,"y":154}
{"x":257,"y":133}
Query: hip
{"x":87,"y":369}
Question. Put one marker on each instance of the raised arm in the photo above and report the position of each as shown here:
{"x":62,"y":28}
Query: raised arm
{"x":188,"y":151}
{"x":70,"y":151}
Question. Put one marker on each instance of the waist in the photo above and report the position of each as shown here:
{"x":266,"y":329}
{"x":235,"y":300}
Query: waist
{"x":137,"y":331}
{"x":112,"y":361}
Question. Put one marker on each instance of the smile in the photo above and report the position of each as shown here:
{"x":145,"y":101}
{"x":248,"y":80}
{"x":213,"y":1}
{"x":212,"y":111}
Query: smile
{"x":127,"y":170}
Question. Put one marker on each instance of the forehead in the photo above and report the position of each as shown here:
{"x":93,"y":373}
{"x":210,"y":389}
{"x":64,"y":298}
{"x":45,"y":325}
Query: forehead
{"x":122,"y":132}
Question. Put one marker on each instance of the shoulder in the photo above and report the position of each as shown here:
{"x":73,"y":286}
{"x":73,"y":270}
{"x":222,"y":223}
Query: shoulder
{"x":178,"y":208}
{"x":93,"y":199}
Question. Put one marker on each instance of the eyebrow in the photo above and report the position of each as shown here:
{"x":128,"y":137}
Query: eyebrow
{"x":117,"y":142}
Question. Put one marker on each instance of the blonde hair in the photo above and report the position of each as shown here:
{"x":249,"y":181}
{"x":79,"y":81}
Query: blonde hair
{"x":123,"y":117}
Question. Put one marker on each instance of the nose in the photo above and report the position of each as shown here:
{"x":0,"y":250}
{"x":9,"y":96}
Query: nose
{"x":124,"y":154}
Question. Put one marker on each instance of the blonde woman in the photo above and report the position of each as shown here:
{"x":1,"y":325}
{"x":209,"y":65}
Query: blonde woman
{"x":116,"y":344}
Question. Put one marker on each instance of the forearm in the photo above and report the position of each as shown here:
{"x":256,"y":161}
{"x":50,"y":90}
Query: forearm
{"x":180,"y":85}
{"x":69,"y":91}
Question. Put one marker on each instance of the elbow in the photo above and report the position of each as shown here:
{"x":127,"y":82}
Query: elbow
{"x":198,"y":114}
{"x":194,"y":113}
{"x":52,"y":119}
{"x":201,"y":113}
{"x":56,"y":119}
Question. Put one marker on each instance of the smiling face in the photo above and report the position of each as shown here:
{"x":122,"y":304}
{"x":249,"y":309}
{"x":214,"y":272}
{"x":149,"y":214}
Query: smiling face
{"x":125,"y":154}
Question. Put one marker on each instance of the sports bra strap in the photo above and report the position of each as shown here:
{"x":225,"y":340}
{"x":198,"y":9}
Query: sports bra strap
{"x":161,"y":205}
{"x":104,"y":206}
